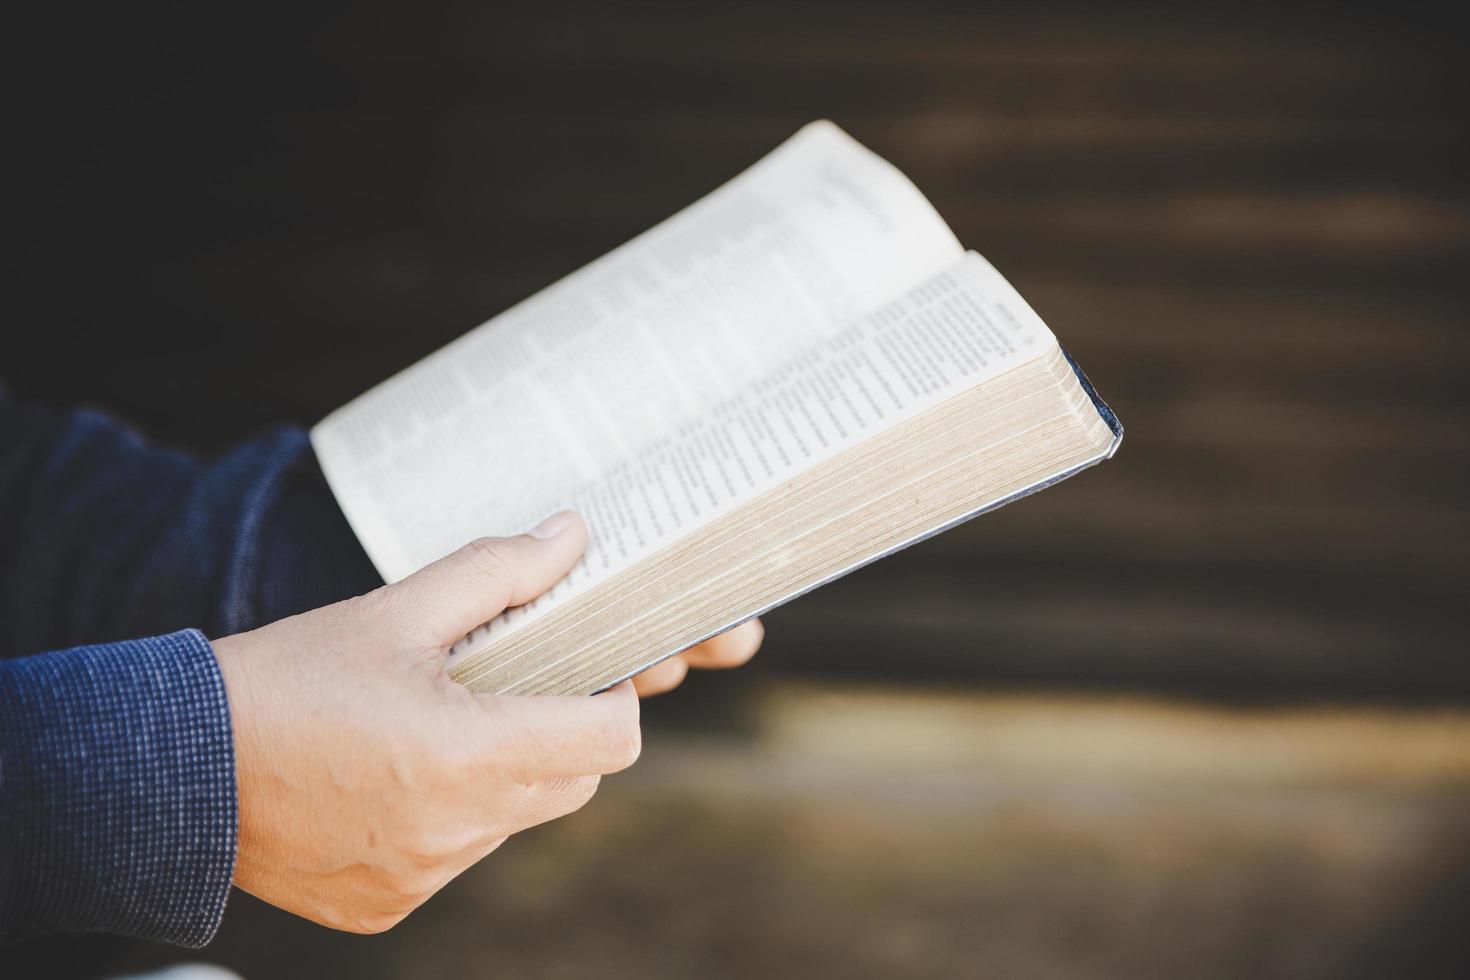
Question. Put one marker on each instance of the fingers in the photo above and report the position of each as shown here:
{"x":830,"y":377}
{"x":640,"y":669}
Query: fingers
{"x":476,"y":583}
{"x":541,"y":738}
{"x":661,"y":677}
{"x":731,"y":648}
{"x":552,"y":800}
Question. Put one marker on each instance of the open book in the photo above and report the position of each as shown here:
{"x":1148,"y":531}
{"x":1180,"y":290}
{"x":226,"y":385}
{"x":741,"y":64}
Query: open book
{"x":800,"y":373}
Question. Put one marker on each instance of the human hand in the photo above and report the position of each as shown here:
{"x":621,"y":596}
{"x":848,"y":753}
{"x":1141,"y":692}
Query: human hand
{"x":731,"y":648}
{"x":367,"y":778}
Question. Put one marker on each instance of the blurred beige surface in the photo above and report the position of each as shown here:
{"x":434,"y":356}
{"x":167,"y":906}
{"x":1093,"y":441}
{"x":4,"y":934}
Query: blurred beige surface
{"x":869,"y":832}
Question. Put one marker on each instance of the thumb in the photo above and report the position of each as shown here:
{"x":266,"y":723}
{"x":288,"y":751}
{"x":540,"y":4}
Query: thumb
{"x":479,"y":581}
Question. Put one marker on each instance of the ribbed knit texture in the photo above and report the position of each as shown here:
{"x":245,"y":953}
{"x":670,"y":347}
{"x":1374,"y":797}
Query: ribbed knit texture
{"x":117,"y":796}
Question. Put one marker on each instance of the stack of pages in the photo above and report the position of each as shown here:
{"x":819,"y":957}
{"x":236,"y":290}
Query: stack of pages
{"x":799,"y":374}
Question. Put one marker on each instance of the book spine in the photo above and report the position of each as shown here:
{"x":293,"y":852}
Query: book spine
{"x":1107,"y":414}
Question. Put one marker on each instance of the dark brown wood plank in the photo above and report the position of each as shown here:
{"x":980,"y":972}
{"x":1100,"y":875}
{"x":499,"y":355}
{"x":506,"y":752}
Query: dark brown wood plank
{"x":1253,"y":230}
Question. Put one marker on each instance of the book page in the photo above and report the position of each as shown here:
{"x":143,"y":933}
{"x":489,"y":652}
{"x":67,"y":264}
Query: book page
{"x":945,"y":336}
{"x":519,"y":417}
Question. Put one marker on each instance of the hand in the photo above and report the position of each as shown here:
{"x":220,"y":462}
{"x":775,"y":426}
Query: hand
{"x":731,"y":648}
{"x":367,"y":778}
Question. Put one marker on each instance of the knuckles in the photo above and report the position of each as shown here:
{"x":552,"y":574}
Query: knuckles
{"x":622,"y":735}
{"x":625,"y":745}
{"x":424,"y":850}
{"x":436,"y":851}
{"x":377,"y":907}
{"x":421,"y":857}
{"x":570,"y":795}
{"x":371,"y":923}
{"x":581,"y":794}
{"x":490,"y":555}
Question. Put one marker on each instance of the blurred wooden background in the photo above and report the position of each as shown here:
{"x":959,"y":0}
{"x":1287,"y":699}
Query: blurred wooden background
{"x":1253,"y":230}
{"x":1251,"y":225}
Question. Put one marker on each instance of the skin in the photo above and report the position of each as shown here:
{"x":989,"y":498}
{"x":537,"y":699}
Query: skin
{"x":368,"y":779}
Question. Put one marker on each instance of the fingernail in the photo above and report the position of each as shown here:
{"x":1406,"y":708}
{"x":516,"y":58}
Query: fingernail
{"x":553,"y":525}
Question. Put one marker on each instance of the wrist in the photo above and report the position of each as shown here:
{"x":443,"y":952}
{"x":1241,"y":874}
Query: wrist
{"x":233,"y":655}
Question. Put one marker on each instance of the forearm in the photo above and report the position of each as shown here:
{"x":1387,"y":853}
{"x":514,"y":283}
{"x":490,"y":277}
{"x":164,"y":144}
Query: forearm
{"x":103,"y":534}
{"x":118,"y":807}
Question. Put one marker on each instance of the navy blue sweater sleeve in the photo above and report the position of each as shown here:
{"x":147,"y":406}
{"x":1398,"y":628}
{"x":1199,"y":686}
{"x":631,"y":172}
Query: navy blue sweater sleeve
{"x":117,"y":783}
{"x":103,"y":535}
{"x":117,"y":791}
